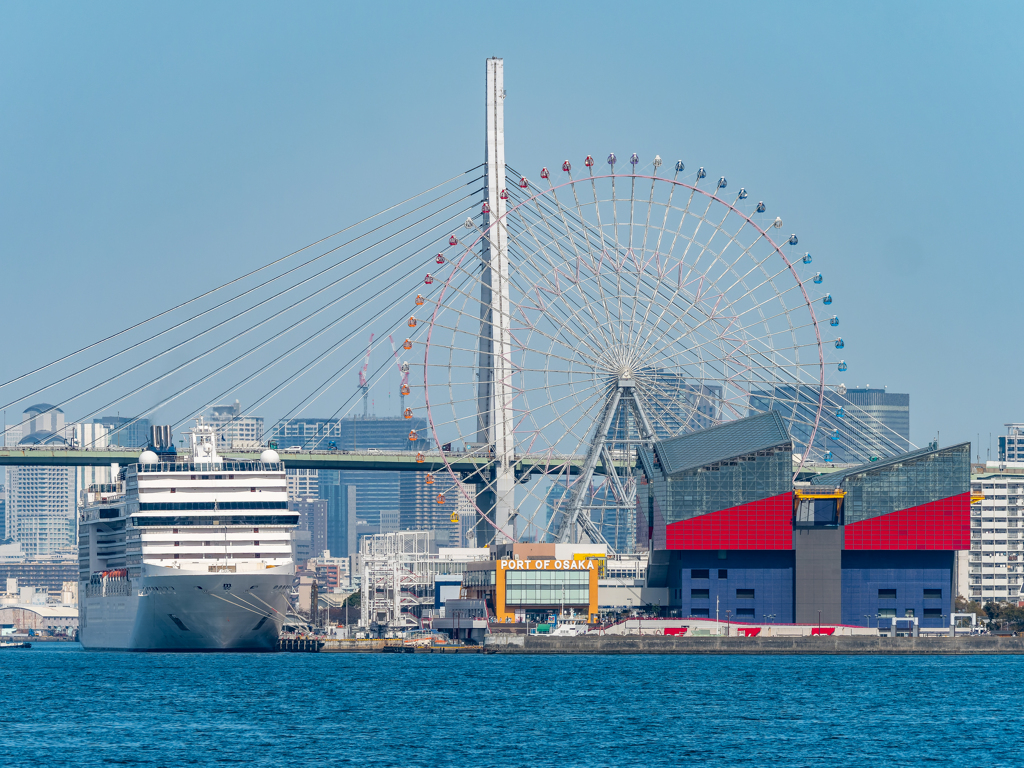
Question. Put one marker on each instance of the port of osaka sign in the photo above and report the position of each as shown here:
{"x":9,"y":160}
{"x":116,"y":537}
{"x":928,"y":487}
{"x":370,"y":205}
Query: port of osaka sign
{"x":546,"y":565}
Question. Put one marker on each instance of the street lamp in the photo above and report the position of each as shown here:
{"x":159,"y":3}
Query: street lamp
{"x":728,"y":625}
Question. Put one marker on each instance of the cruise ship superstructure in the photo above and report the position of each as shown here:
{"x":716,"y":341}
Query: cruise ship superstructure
{"x":194,"y":554}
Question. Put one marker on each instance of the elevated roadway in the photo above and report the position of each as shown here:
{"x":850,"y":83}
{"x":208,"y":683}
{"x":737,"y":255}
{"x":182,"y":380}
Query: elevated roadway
{"x":469,"y":464}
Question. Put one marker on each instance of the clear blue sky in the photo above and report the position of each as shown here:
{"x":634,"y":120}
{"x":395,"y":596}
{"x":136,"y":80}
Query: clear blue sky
{"x":151,"y":150}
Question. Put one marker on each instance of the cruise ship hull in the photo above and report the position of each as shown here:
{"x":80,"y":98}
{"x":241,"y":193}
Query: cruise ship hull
{"x":182,"y":611}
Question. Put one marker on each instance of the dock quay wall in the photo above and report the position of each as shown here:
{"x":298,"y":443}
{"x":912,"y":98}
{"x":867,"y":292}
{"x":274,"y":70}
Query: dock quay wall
{"x":835,"y":645}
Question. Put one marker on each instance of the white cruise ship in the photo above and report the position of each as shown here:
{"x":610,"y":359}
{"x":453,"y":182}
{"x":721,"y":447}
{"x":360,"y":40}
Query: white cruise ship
{"x":193,"y":555}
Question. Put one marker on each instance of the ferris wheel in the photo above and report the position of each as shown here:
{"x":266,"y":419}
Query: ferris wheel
{"x":591,"y":313}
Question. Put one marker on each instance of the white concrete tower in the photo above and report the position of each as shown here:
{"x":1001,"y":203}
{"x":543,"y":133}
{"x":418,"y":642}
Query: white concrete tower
{"x":495,"y":390}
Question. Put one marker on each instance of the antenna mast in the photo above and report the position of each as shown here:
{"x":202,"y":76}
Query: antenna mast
{"x":362,"y":378}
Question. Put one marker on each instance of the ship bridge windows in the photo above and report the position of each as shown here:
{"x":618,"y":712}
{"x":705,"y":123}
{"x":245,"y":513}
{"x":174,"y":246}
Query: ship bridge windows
{"x":197,"y":506}
{"x":222,"y":520}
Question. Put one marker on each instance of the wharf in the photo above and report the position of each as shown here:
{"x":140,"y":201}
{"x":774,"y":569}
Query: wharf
{"x":847,"y":645}
{"x":334,"y":645}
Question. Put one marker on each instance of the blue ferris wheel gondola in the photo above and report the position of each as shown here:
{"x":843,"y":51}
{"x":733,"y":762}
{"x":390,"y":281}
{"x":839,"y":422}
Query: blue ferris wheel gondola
{"x":827,"y":299}
{"x":760,"y":208}
{"x":827,"y":456}
{"x":807,"y":258}
{"x":842,"y":366}
{"x":793,"y":240}
{"x":841,"y":413}
{"x":818,"y":278}
{"x":722,"y":183}
{"x":834,"y":320}
{"x":839,"y":343}
{"x":701,"y":173}
{"x":835,"y":434}
{"x":743,"y":194}
{"x":680,"y":166}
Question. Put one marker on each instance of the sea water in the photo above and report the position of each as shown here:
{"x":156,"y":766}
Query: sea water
{"x":63,"y":706}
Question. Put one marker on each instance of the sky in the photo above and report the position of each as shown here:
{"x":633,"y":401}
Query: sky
{"x":149,"y":151}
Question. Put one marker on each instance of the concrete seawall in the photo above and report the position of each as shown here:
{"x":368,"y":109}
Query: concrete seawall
{"x":853,"y":646}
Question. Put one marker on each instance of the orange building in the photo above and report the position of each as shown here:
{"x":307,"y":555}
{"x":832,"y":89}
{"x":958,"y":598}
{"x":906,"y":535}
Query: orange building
{"x":530,"y":582}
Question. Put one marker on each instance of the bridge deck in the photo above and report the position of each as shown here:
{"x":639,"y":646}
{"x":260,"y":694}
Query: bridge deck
{"x":468,"y":464}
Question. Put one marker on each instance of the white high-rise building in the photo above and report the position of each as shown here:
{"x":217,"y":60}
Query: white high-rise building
{"x":994,"y":568}
{"x":1011,"y":445}
{"x":302,"y":484}
{"x":41,"y":510}
{"x":88,"y":436}
{"x":233,"y":429}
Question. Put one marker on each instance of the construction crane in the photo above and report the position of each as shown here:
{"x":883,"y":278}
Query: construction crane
{"x":403,"y":369}
{"x":363,"y":385}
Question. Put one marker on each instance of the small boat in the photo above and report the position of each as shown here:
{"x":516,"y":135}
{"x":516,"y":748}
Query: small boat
{"x":8,"y":646}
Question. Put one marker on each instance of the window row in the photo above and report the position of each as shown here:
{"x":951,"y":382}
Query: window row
{"x":929,"y":594}
{"x":705,"y":594}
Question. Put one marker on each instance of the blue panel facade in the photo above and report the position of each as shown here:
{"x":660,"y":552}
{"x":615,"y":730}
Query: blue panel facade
{"x":750,"y":585}
{"x":900,"y":584}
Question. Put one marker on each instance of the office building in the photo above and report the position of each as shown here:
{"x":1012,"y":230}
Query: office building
{"x":302,"y":483}
{"x":855,"y":425}
{"x":87,"y":436}
{"x":125,"y":432}
{"x":375,"y":491}
{"x":436,"y":502}
{"x":235,"y":431}
{"x":350,"y":434}
{"x":50,"y":575}
{"x":1011,"y":445}
{"x":887,"y":416}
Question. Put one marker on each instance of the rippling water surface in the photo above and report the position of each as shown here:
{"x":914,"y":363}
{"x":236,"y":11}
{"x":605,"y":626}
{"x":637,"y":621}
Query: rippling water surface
{"x":66,"y":707}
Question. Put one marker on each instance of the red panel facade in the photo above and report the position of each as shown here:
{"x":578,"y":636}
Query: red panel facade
{"x":764,"y":524}
{"x":944,"y":524}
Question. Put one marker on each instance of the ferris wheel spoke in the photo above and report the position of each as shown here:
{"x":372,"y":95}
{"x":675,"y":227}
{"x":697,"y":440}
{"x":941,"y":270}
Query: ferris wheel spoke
{"x":556,"y":291}
{"x":683,"y":282}
{"x":580,"y":339}
{"x":777,"y":297}
{"x":574,"y":280}
{"x":603,"y":248}
{"x":643,"y":251}
{"x":564,"y":217}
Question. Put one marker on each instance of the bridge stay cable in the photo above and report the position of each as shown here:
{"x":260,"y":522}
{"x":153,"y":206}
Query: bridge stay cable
{"x":249,"y":309}
{"x":240,"y":278}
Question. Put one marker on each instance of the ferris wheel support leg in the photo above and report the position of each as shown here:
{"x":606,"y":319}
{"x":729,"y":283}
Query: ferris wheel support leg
{"x":573,"y":519}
